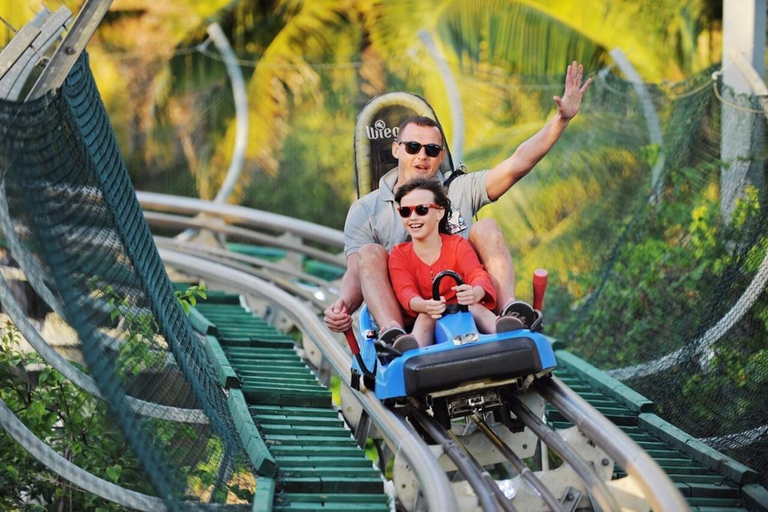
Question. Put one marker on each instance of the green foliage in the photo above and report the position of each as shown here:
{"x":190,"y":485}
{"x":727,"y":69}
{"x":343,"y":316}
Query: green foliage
{"x":78,"y":426}
{"x":141,"y":350}
{"x":188,"y":297}
{"x":72,"y":422}
{"x":666,"y":271}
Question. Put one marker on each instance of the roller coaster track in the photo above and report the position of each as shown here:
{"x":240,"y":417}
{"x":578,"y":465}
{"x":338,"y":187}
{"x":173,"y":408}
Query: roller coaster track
{"x":289,"y":409}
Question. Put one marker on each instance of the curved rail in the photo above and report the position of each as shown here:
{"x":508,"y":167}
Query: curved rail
{"x":482,"y":483}
{"x":598,"y":492}
{"x":61,"y":466}
{"x":242,"y":215}
{"x":432,"y":479}
{"x":658,"y":488}
{"x":517,"y":463}
{"x":80,"y":379}
{"x":177,"y":221}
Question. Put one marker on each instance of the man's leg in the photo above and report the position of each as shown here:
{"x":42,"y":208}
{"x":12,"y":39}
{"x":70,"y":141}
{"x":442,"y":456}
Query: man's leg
{"x":491,"y":247}
{"x":376,"y":286}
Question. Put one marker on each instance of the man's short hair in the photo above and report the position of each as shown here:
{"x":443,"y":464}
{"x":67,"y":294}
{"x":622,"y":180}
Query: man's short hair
{"x":422,"y":121}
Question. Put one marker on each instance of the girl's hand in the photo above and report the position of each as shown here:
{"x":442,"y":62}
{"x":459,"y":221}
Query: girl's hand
{"x":435,"y":308}
{"x":467,"y":294}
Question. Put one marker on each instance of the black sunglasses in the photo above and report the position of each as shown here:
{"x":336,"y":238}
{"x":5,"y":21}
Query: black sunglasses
{"x":413,"y":148}
{"x":421,"y":209}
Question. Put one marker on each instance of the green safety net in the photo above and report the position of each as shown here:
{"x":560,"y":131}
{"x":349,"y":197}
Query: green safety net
{"x":74,"y":210}
{"x":664,"y":287}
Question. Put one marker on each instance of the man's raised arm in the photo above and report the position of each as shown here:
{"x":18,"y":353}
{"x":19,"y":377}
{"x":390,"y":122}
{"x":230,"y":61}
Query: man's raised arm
{"x":527,"y":155}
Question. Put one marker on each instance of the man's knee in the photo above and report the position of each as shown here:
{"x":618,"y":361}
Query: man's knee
{"x":485,"y":228}
{"x":372,"y":254}
{"x":372,"y":259}
{"x":485,"y":235}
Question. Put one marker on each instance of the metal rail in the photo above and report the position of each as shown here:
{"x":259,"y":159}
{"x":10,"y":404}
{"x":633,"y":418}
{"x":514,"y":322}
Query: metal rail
{"x":432,"y":478}
{"x":172,"y":243}
{"x":658,"y":488}
{"x":241,"y":215}
{"x":226,"y":258}
{"x":177,"y":221}
{"x":517,"y":463}
{"x":69,"y":471}
{"x":482,"y":483}
{"x":602,"y":499}
{"x":609,"y":437}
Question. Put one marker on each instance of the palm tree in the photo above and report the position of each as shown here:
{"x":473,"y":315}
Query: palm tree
{"x":284,"y":45}
{"x":494,"y":46}
{"x":509,"y":57}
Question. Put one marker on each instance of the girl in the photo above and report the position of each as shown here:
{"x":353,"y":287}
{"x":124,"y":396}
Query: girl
{"x":424,"y":209}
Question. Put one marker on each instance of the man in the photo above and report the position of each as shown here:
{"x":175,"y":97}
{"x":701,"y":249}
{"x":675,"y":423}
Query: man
{"x":373,"y":228}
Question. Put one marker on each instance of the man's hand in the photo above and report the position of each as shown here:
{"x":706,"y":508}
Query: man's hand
{"x":337,"y":316}
{"x":568,"y":106}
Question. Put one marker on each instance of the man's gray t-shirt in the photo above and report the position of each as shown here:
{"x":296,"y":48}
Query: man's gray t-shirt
{"x":373,"y":219}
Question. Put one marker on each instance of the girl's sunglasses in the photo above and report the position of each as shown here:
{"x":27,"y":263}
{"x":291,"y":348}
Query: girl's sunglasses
{"x":421,"y":209}
{"x":413,"y":148}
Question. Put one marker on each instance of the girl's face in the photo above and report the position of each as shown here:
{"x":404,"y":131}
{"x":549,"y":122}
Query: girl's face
{"x":420,"y":227}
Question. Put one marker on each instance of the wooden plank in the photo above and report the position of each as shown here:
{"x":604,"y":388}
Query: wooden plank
{"x":715,"y":502}
{"x":306,"y":430}
{"x":756,"y":497}
{"x":262,"y":353}
{"x":697,"y":450}
{"x":255,"y":447}
{"x":288,"y":398}
{"x":224,"y":371}
{"x":201,"y":323}
{"x":280,"y":450}
{"x":274,"y":419}
{"x":216,"y":297}
{"x":338,"y":498}
{"x":71,"y":47}
{"x":16,"y":48}
{"x":608,"y":385}
{"x":292,"y":462}
{"x":329,"y":474}
{"x":252,"y":342}
{"x":328,"y":506}
{"x":280,"y":382}
{"x":709,"y":490}
{"x":272,"y":409}
{"x":278,"y":366}
{"x":265,"y":495}
{"x":294,"y":440}
{"x":354,"y":485}
{"x":50,"y":30}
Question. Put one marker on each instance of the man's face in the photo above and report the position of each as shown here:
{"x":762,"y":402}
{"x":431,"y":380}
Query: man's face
{"x":410,"y":166}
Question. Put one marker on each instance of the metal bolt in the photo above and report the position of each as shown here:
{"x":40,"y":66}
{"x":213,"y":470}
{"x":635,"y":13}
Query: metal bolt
{"x":525,"y":447}
{"x":569,"y":497}
{"x":605,"y":462}
{"x":69,"y":50}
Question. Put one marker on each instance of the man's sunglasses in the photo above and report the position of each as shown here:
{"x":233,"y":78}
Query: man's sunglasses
{"x":421,"y":209}
{"x":413,"y":148}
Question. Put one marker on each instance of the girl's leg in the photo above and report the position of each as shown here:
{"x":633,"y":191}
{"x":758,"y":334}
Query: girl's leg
{"x":424,"y":329}
{"x":484,"y":318}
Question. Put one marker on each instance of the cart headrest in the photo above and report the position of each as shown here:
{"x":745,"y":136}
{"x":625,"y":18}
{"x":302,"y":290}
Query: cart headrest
{"x":376,"y":129}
